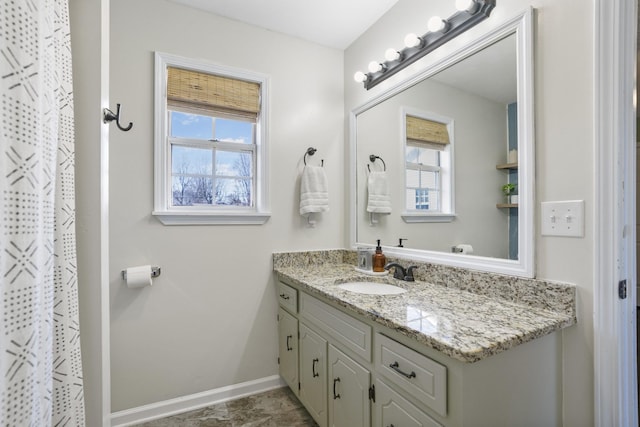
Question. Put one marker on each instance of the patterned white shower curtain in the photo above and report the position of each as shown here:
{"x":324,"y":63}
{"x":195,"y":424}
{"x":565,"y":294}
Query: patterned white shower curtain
{"x":40,"y":367}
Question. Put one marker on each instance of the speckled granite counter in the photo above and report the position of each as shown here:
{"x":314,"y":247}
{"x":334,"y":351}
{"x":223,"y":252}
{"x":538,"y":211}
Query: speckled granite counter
{"x":466,"y":315}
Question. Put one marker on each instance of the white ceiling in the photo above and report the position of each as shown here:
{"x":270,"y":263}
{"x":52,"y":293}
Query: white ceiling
{"x":333,"y":23}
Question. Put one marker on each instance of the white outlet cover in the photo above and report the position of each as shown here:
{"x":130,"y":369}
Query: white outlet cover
{"x":565,"y":218}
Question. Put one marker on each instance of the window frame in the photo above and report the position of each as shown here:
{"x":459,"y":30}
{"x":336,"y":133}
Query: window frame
{"x":163,"y":210}
{"x":446,"y":171}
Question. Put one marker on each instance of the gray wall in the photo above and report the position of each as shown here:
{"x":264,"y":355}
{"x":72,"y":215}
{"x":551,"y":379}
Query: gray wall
{"x":210,"y":320}
{"x":564,"y":145}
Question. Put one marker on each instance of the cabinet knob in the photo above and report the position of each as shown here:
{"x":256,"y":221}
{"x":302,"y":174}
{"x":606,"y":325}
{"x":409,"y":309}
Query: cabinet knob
{"x":284,"y":296}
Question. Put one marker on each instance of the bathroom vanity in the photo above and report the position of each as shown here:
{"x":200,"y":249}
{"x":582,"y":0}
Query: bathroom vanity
{"x":457,"y":348}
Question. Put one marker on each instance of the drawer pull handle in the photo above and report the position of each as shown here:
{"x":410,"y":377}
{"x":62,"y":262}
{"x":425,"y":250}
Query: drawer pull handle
{"x":284,"y":296}
{"x":313,"y":368}
{"x":335,"y":396}
{"x":391,"y":425}
{"x":396,"y":367}
{"x":289,"y":348}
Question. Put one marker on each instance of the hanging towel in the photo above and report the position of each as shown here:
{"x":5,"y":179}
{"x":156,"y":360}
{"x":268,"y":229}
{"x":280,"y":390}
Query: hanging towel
{"x":314,"y":190}
{"x":379,"y":200}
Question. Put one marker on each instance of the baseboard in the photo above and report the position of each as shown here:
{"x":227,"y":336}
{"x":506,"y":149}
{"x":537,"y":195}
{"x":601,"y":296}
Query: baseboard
{"x":179,"y":405}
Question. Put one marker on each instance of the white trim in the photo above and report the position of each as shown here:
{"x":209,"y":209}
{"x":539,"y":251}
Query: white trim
{"x":162,"y":179}
{"x":195,"y":401}
{"x":412,"y":218}
{"x":105,"y":298}
{"x":522,"y":25}
{"x":615,"y":369}
{"x":211,"y":218}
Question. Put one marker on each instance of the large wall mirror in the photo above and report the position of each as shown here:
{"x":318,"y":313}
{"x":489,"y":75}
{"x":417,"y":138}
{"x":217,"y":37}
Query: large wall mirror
{"x":444,"y":183}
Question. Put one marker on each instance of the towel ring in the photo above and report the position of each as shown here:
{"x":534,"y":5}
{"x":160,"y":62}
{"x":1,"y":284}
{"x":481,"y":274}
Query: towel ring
{"x":372,"y":159}
{"x":310,"y":152}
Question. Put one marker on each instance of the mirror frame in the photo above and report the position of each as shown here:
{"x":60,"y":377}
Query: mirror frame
{"x":522,"y":26}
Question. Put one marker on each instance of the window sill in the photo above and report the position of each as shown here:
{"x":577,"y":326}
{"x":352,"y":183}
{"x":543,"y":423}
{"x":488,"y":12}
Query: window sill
{"x":410,"y":217}
{"x":212,"y":218}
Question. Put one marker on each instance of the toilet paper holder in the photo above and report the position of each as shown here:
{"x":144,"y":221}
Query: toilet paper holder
{"x":155,"y":272}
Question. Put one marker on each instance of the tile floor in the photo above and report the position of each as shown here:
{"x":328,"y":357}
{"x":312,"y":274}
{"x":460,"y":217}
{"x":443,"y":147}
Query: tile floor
{"x":275,"y":408}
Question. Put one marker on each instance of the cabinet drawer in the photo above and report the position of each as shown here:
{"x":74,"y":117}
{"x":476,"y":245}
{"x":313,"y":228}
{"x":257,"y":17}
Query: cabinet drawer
{"x":288,"y":297}
{"x":342,"y":328}
{"x":412,"y":372}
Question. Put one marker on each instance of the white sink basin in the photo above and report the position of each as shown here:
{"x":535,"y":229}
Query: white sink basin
{"x":371,"y":288}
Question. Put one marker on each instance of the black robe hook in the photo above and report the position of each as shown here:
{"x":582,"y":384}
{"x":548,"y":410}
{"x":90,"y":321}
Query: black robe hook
{"x":109,"y":116}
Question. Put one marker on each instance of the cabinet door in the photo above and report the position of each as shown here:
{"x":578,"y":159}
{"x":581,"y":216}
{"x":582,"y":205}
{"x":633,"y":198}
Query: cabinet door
{"x":348,"y":391}
{"x":313,"y":374}
{"x":392,"y":410}
{"x":288,"y":348}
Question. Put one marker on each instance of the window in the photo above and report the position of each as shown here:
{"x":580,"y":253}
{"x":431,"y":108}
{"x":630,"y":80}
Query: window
{"x":210,"y":154}
{"x":428,"y":167}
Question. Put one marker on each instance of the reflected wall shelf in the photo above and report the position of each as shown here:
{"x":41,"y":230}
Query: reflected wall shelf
{"x":510,"y":166}
{"x":506,"y":205}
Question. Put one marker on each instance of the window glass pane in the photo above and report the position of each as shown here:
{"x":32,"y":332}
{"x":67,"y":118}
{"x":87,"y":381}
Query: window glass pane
{"x":233,"y":163}
{"x":234,"y":131}
{"x":413,"y":178}
{"x":187,"y":125}
{"x":191,"y":160}
{"x":191,"y":190}
{"x":411,"y":199}
{"x":233,"y":192}
{"x":432,"y":201}
{"x":428,"y":179}
{"x":421,"y":155}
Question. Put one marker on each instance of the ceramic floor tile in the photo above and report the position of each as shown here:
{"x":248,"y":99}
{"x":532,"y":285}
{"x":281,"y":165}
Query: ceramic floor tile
{"x":275,"y":408}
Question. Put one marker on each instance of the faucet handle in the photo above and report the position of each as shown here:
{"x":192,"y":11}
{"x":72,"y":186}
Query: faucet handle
{"x":409,"y":277}
{"x":398,"y":272}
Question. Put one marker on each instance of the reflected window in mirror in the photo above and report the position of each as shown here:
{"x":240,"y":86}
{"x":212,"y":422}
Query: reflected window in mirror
{"x":428,"y":148}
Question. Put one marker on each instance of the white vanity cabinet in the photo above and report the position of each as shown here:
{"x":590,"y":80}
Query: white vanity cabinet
{"x":313,"y":374}
{"x":350,"y":384}
{"x":351,"y":371}
{"x":288,"y":348}
{"x":392,"y":410}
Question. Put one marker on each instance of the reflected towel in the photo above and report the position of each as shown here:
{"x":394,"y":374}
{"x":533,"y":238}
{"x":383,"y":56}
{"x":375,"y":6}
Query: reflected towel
{"x":314,"y":190}
{"x":379,"y":200}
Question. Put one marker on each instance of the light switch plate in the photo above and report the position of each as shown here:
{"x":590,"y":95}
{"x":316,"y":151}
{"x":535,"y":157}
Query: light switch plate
{"x":564,"y":218}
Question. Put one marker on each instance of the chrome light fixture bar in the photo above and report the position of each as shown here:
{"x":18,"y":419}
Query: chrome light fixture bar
{"x":470,"y":13}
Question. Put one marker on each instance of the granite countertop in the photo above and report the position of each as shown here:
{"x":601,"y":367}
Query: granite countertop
{"x":464,"y":325}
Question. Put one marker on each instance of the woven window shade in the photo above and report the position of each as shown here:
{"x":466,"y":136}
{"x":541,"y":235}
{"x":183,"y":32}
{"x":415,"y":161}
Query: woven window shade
{"x":214,"y":93}
{"x":421,"y":130}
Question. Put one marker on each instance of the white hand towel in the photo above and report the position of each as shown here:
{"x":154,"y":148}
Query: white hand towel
{"x":379,"y":200}
{"x":314,"y":190}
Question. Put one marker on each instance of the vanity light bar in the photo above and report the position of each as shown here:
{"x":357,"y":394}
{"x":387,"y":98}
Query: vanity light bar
{"x":456,"y":24}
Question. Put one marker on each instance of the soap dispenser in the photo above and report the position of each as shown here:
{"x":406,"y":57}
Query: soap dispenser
{"x":379,"y":260}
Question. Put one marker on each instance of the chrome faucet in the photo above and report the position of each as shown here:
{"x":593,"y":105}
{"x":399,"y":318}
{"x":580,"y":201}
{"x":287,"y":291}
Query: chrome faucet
{"x":400,"y":273}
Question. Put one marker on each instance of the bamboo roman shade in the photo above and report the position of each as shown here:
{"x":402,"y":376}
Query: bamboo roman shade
{"x":226,"y":95}
{"x":426,"y":131}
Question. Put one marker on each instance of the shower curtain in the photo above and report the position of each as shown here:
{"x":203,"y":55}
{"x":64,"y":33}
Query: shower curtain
{"x":40,"y":366}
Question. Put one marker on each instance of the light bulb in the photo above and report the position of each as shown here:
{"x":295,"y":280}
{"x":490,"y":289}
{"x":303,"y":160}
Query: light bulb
{"x":468,"y":5}
{"x":435,"y":24}
{"x":391,"y":54}
{"x":375,"y":66}
{"x":359,"y":76}
{"x":411,"y":40}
